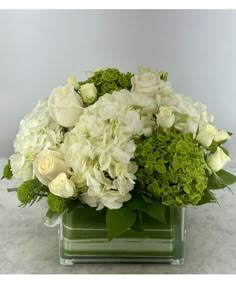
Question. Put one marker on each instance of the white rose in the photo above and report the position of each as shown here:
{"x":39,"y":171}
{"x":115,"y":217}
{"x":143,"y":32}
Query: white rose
{"x":63,"y":187}
{"x":217,"y":160}
{"x":206,"y":135}
{"x":73,"y":81}
{"x":65,"y":105}
{"x":88,"y":93}
{"x":221,"y":136}
{"x":49,"y":164}
{"x":165,"y":118}
{"x":147,"y":81}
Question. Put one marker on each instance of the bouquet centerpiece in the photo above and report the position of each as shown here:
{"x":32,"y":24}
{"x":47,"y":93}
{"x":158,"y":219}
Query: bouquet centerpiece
{"x":121,"y":155}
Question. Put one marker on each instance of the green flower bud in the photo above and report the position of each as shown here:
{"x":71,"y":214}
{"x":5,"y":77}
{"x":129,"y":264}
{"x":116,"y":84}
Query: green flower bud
{"x":89,"y":93}
{"x":72,"y":81}
{"x":164,"y":75}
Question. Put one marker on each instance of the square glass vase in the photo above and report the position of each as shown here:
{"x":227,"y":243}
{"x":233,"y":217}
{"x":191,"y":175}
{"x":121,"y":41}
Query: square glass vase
{"x":83,"y":239}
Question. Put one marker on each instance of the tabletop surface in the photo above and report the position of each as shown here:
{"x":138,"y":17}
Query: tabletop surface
{"x":28,"y":246}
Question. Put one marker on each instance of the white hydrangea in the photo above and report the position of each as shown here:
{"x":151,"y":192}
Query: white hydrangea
{"x":100,"y":150}
{"x":38,"y":131}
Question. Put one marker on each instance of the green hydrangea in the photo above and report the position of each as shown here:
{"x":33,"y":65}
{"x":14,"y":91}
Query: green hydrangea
{"x":172,"y":168}
{"x":109,"y":80}
{"x":55,"y":203}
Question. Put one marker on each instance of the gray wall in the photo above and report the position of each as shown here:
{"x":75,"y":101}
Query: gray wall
{"x":39,"y":49}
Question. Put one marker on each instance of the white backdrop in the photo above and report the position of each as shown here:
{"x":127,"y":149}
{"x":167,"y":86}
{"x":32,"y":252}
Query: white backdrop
{"x":39,"y":49}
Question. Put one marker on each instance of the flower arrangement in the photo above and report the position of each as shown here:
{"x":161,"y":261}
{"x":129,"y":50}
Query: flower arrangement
{"x":124,"y":143}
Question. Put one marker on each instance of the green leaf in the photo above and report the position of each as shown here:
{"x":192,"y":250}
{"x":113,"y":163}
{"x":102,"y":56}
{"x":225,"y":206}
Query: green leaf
{"x":7,"y":173}
{"x":72,"y":204}
{"x":146,"y":199}
{"x":225,"y":150}
{"x":224,"y":179}
{"x":137,"y":227}
{"x":214,"y":145}
{"x":157,"y":211}
{"x":214,"y":183}
{"x":208,"y":197}
{"x":119,"y":220}
{"x":154,"y":209}
{"x":138,"y":223}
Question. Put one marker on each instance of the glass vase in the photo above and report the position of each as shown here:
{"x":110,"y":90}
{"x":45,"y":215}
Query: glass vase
{"x":83,"y":239}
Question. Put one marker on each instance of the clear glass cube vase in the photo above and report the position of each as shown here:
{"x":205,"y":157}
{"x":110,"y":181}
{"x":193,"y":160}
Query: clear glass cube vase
{"x":83,"y":239}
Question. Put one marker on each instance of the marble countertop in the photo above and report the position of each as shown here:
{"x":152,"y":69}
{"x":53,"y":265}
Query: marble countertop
{"x":28,"y":246}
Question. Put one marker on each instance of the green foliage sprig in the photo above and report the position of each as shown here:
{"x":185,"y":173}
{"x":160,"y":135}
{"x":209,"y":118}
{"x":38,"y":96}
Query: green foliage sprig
{"x":7,"y":173}
{"x":172,"y":168}
{"x":109,"y":80}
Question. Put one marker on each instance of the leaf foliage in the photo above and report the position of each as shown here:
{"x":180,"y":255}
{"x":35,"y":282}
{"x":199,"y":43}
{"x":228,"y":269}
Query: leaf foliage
{"x":119,"y":220}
